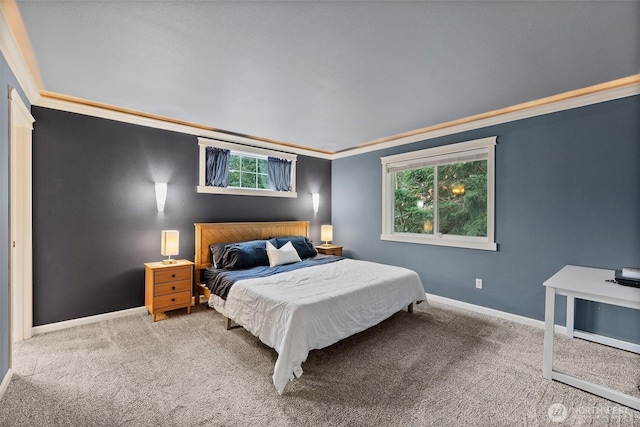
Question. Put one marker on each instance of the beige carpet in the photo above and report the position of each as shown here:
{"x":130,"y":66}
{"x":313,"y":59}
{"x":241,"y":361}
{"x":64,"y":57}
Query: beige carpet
{"x":438,"y":366}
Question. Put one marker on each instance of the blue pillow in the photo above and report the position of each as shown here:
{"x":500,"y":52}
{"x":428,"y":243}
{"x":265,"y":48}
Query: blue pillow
{"x":239,"y":256}
{"x":217,"y":252}
{"x":303,"y":246}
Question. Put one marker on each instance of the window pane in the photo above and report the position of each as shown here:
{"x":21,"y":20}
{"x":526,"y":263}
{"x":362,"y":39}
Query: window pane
{"x":234,"y":179}
{"x":234,"y":163}
{"x":263,"y":166}
{"x":462,"y":198}
{"x":248,"y":180}
{"x":247,"y":171}
{"x":263,"y":181}
{"x":413,"y":207}
{"x":249,"y":164}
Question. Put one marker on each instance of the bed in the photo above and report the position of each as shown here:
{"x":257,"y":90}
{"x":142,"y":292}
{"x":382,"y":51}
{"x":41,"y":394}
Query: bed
{"x":310,"y":304}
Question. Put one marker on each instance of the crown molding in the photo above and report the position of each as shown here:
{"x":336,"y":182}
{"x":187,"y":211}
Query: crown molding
{"x":12,"y":49}
{"x":95,"y":109}
{"x":609,"y":91}
{"x":615,"y":89}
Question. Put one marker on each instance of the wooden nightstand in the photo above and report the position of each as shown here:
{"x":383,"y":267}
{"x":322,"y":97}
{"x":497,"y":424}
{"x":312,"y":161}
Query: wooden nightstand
{"x":330,"y":250}
{"x":168,"y":286}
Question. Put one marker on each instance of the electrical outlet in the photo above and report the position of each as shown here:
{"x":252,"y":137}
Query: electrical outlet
{"x":479,"y":283}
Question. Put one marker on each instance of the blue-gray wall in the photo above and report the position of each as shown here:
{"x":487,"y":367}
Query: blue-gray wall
{"x":95,"y":215}
{"x":567,"y":192}
{"x":7,"y":81}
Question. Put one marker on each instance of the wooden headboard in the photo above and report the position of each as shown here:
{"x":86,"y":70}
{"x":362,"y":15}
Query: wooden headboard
{"x":227,"y":232}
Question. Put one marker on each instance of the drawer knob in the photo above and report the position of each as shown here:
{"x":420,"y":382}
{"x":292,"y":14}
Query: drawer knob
{"x":173,"y":288}
{"x":173,"y":300}
{"x":173,"y":275}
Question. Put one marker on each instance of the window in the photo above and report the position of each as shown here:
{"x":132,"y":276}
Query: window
{"x":245,"y":170}
{"x":441,"y":196}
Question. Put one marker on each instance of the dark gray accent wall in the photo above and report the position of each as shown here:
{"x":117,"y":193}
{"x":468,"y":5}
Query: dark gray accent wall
{"x":95,"y":215}
{"x":7,"y":81}
{"x":567,"y":192}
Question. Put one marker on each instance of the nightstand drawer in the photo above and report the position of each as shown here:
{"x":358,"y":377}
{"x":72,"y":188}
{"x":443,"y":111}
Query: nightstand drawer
{"x":172,"y":274}
{"x":330,"y":250}
{"x":171,"y":287}
{"x":337,"y":252}
{"x":167,"y":301}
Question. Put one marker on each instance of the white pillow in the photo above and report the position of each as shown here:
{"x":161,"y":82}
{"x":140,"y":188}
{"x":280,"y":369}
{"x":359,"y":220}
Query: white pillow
{"x":287,"y":254}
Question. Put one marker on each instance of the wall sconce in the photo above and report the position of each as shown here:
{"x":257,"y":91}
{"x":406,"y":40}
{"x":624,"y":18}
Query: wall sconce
{"x":161,"y":195}
{"x":315,"y":198}
{"x":326,"y":234}
{"x":169,"y":245}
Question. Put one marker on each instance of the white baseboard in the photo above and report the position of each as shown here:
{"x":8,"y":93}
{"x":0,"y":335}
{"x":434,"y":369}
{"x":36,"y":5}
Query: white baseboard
{"x":43,"y":329}
{"x":5,"y":382}
{"x":495,"y":313}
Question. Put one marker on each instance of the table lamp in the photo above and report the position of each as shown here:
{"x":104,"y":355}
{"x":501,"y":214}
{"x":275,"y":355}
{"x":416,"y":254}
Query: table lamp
{"x":326,"y":234}
{"x":169,"y":245}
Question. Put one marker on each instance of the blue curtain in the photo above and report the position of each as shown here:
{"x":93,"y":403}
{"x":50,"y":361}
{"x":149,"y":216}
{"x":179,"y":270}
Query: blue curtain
{"x":217,"y":167}
{"x":279,"y":174}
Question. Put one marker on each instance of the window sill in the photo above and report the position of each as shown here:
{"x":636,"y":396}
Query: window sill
{"x":456,"y":242}
{"x":245,"y":191}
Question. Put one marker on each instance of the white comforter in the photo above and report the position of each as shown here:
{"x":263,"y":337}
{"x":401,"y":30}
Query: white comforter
{"x":314,"y":307}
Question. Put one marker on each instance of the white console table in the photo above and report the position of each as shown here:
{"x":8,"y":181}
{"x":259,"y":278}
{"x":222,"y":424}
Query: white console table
{"x":588,"y":284}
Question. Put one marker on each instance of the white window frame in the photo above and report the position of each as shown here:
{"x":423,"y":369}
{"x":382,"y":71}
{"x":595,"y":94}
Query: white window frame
{"x":439,"y":155}
{"x":246,"y":150}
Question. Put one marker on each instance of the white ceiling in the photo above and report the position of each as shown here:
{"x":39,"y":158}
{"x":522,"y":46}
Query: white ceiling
{"x":328,"y":75}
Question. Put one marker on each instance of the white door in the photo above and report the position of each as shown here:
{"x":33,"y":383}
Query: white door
{"x":20,"y":218}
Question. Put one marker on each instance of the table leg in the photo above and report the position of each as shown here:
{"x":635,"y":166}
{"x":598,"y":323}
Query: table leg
{"x":549,"y":317}
{"x":570,"y":315}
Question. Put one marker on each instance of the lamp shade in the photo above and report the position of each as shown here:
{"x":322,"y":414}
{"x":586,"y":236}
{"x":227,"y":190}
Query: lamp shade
{"x":315,"y":198}
{"x":170,"y":242}
{"x":326,"y":233}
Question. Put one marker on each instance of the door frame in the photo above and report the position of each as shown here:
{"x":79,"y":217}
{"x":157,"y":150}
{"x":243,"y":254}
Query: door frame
{"x":20,"y":220}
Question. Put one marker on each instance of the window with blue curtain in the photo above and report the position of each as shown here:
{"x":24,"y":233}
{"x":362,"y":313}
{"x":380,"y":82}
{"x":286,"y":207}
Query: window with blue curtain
{"x":230,"y":168}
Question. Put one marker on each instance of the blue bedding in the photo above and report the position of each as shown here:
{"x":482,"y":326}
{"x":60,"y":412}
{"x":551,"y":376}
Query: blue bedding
{"x":220,"y":281}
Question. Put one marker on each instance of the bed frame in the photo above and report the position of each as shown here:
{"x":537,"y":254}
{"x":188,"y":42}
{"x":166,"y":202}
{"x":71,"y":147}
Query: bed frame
{"x":226,"y":232}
